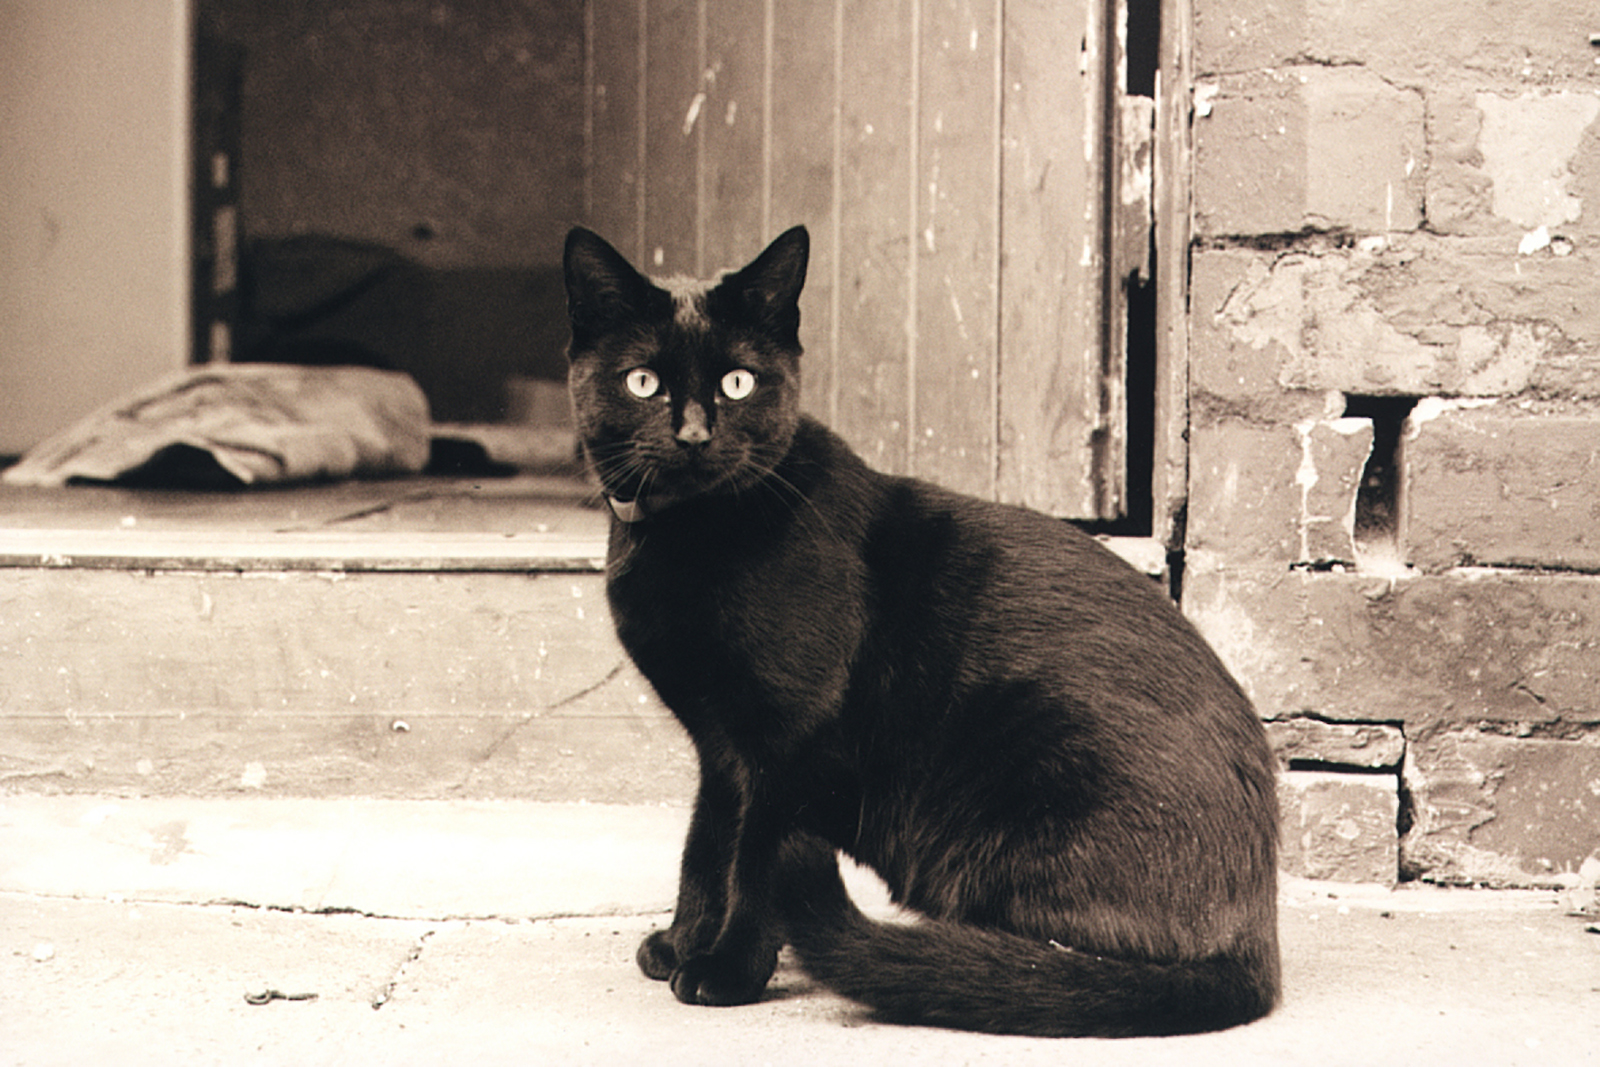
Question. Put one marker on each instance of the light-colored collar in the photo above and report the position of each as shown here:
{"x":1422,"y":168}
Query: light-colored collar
{"x":628,"y":511}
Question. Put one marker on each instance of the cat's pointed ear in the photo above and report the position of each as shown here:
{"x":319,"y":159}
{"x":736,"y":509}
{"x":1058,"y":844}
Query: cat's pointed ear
{"x":768,"y":290}
{"x":604,"y":291}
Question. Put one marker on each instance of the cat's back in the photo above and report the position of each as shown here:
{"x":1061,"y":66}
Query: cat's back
{"x":1009,"y":588}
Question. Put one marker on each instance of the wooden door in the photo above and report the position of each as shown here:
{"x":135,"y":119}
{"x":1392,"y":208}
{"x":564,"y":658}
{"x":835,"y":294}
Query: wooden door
{"x":952,"y":160}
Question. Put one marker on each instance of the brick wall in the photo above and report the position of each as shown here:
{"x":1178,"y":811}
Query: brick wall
{"x":1394,"y":510}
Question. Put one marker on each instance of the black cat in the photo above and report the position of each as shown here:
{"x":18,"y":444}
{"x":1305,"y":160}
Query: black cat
{"x":1017,"y":731}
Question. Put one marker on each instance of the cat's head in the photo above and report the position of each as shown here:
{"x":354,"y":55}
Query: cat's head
{"x":683,"y":388}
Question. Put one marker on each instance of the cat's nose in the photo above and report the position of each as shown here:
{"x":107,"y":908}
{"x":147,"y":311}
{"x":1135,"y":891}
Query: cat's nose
{"x":693,"y":431}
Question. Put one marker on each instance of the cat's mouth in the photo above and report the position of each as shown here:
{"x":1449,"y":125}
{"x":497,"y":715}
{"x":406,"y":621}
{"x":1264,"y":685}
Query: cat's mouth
{"x":653,"y":487}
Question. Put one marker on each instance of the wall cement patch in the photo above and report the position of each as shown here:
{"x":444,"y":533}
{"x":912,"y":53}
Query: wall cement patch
{"x":1528,"y":145}
{"x":1416,"y":315}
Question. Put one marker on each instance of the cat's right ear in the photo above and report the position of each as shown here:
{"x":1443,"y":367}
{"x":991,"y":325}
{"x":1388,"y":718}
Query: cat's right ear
{"x":604,"y":291}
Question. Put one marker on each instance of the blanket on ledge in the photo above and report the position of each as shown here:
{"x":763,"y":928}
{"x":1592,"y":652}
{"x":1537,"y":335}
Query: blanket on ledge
{"x":234,"y":425}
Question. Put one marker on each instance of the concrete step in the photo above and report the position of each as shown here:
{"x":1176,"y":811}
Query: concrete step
{"x":399,"y":859}
{"x":361,"y":653}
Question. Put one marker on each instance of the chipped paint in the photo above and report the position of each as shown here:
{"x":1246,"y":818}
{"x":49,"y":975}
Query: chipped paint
{"x":1534,"y":241}
{"x":1431,"y":407}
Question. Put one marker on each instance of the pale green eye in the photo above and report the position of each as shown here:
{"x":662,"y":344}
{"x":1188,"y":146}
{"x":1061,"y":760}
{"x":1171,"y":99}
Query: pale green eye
{"x":642,"y":382}
{"x":738,"y":384}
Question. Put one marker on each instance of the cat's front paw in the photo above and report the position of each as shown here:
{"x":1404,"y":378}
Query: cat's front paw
{"x":657,"y":957}
{"x":720,"y":981}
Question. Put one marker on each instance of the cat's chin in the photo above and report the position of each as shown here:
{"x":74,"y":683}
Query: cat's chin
{"x":630,"y":505}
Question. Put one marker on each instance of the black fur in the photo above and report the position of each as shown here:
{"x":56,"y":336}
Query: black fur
{"x":1020,"y":733}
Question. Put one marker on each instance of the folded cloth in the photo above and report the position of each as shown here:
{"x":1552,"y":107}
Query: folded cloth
{"x":225,"y":425}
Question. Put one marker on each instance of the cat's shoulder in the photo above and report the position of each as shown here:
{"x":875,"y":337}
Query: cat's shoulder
{"x":909,"y":508}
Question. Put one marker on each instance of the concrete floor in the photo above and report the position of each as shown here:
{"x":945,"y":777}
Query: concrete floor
{"x":131,"y":932}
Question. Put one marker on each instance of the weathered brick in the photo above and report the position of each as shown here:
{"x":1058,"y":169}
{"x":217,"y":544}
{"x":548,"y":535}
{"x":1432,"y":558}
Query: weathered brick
{"x":1308,"y":742}
{"x":1265,"y":492}
{"x":1423,"y":650}
{"x":1414,"y":315}
{"x":1408,"y":42}
{"x":1243,"y":500}
{"x":1233,"y":357}
{"x":1501,"y":810}
{"x":1309,"y":147}
{"x":1341,"y":827}
{"x":1498,"y":484}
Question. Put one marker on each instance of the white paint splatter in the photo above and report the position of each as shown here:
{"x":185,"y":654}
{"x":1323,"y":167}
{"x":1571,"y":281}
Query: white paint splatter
{"x":1305,"y":476}
{"x":693,"y":116}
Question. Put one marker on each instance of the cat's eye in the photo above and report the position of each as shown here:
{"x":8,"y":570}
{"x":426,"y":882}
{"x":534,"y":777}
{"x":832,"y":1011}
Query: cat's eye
{"x":738,"y":384}
{"x":642,"y":382}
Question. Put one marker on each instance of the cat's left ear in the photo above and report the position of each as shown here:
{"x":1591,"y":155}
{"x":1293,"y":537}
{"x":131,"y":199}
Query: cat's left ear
{"x":768,"y":290}
{"x":604,"y":291}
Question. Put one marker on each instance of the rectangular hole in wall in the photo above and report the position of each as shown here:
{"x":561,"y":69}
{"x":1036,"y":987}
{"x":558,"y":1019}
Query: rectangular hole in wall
{"x":1380,"y":498}
{"x":1143,"y":61}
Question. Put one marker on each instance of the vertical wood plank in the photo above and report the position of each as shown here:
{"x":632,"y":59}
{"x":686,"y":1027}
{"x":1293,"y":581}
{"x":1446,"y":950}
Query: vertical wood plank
{"x":949,"y":157}
{"x":674,"y":109}
{"x":1110,"y":440}
{"x":875,"y":219}
{"x":957,"y":245}
{"x":1174,"y":149}
{"x":733,"y":134}
{"x":804,"y":87}
{"x":613,"y":121}
{"x":1050,"y":385}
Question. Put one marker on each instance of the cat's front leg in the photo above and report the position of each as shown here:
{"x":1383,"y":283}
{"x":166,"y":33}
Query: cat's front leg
{"x":736,"y":967}
{"x":702,"y":881}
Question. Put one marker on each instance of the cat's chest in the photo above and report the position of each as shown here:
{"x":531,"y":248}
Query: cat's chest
{"x":701,"y":605}
{"x":776,"y":627}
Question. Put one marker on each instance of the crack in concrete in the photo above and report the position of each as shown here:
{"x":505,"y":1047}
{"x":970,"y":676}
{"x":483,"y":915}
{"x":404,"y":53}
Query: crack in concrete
{"x":386,"y":991}
{"x":509,"y":732}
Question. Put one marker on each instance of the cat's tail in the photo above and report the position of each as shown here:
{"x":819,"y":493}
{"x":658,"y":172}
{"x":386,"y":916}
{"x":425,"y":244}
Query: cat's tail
{"x":945,"y":974}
